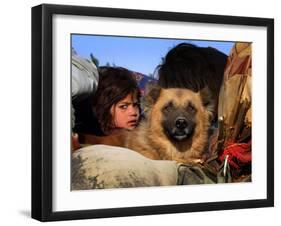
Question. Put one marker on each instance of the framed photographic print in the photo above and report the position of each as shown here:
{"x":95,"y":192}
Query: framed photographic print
{"x":145,"y":112}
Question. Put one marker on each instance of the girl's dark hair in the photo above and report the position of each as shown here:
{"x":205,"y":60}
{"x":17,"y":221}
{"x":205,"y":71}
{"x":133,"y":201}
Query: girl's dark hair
{"x":115,"y":83}
{"x":192,"y":67}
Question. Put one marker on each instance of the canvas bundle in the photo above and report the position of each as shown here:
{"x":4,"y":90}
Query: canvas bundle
{"x":235,"y":115}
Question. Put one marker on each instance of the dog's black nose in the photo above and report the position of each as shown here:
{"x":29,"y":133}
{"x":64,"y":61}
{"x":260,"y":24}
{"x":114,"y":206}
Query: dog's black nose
{"x":181,"y":123}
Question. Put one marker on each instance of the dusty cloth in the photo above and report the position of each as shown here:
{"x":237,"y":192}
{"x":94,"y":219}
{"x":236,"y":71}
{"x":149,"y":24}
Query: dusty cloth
{"x":103,"y":166}
{"x":84,"y":77}
{"x":84,"y":82}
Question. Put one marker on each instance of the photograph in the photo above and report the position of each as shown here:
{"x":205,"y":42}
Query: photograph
{"x":140,"y":112}
{"x":159,"y":112}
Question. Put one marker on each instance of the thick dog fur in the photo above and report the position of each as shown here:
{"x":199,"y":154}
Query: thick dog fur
{"x":175,"y":128}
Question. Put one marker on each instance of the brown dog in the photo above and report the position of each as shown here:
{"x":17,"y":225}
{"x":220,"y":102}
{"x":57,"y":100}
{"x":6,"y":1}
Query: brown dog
{"x":175,"y":128}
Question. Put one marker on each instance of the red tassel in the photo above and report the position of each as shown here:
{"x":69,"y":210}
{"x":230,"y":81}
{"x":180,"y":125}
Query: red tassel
{"x":239,"y":154}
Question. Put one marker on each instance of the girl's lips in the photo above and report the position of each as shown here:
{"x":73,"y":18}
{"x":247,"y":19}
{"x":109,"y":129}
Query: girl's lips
{"x":133,"y":122}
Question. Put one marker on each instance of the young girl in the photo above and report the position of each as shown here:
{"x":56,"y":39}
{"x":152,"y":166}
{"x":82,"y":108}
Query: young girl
{"x":115,"y":104}
{"x":116,"y":101}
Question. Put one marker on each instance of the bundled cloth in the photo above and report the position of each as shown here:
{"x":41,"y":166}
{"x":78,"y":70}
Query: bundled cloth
{"x":235,"y":111}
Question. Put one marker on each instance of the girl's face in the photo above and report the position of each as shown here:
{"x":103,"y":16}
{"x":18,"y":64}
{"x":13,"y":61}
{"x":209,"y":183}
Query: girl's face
{"x":125,"y":113}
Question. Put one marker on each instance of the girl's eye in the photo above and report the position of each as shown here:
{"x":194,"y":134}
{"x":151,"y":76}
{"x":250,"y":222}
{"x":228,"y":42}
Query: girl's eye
{"x":123,"y":106}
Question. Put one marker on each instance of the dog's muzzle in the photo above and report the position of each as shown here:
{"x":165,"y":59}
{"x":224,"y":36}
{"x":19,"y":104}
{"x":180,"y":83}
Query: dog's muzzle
{"x":182,"y":129}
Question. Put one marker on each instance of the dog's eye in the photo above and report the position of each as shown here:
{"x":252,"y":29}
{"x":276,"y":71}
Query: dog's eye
{"x":191,"y":108}
{"x":168,"y":107}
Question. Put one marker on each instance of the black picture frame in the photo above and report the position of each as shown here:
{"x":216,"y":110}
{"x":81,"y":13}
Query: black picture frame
{"x":42,"y":107}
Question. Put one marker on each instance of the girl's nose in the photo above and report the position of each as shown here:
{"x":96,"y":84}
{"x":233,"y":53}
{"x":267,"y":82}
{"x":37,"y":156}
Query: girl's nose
{"x":134,"y":110}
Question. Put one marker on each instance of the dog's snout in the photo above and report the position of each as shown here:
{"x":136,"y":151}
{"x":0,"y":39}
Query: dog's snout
{"x":181,"y":123}
{"x":182,"y":128}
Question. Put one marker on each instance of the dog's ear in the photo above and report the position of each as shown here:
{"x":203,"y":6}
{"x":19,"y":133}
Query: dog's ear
{"x":152,"y":93}
{"x":208,"y":101}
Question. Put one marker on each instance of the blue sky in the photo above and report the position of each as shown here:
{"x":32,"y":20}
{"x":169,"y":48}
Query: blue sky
{"x":137,"y":54}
